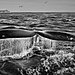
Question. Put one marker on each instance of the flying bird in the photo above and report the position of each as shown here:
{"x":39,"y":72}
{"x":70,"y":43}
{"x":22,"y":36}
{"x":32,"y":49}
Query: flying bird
{"x":20,"y":6}
{"x":45,"y":2}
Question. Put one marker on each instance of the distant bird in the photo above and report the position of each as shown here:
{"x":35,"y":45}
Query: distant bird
{"x":20,"y":6}
{"x":45,"y":2}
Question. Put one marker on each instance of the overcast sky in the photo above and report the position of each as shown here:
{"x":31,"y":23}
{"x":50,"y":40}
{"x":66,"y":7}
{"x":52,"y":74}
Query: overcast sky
{"x":38,"y":5}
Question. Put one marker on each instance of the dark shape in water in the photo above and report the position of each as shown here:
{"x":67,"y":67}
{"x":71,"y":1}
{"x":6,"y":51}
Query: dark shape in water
{"x":57,"y":36}
{"x":20,"y":33}
{"x":15,"y":33}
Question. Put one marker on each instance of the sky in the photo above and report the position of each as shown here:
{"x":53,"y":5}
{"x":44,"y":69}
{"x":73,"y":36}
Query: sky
{"x":38,"y":5}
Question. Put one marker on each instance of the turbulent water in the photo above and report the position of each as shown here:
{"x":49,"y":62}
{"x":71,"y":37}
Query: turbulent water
{"x":37,"y":44}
